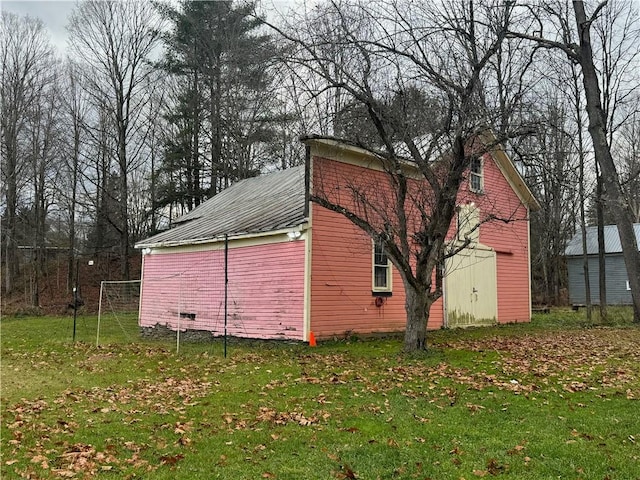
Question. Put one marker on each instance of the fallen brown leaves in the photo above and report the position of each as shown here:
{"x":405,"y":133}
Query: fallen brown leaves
{"x":79,"y":460}
{"x":493,"y":468}
{"x":267,"y":414}
{"x":598,"y":360}
{"x":602,"y":361}
{"x":573,"y":361}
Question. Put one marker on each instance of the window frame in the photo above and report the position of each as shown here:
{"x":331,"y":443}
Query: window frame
{"x":628,"y":286}
{"x":388,"y":288}
{"x":476,"y":176}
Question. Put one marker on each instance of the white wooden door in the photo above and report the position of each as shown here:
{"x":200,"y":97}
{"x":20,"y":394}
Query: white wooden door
{"x":471,"y":288}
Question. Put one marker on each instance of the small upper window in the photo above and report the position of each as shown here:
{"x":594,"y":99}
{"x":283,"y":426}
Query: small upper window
{"x":381,"y":269}
{"x":476,"y":180}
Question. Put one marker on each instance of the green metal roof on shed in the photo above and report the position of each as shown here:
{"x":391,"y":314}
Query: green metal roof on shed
{"x":611,"y":241}
{"x":257,"y":205}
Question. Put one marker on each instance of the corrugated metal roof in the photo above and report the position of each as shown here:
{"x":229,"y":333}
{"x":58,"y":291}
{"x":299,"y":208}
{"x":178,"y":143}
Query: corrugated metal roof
{"x":611,"y":241}
{"x":256,"y":205}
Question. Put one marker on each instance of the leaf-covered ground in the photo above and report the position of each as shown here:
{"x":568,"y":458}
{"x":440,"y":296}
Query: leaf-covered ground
{"x":513,"y":402}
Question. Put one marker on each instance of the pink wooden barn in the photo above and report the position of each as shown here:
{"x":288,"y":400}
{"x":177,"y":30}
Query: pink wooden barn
{"x":295,"y":267}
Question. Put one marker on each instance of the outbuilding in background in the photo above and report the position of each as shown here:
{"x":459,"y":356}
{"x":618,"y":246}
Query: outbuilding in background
{"x":618,"y":289}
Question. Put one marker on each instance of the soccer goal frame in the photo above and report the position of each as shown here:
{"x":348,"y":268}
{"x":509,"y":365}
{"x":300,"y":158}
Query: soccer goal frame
{"x":106,"y":302}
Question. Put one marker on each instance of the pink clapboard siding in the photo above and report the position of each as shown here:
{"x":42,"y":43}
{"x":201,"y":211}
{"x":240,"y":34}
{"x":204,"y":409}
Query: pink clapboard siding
{"x":265,"y":290}
{"x":341,"y":299}
{"x":341,"y":278}
{"x":341,"y":281}
{"x":508,"y":235}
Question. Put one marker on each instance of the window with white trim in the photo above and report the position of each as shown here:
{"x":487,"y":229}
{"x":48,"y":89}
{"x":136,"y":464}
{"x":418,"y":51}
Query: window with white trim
{"x":628,"y":285}
{"x":381,"y":269}
{"x":476,"y":176}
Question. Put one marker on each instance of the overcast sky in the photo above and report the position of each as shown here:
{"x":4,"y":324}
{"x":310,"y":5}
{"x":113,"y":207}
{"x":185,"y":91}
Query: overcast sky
{"x":54,"y":14}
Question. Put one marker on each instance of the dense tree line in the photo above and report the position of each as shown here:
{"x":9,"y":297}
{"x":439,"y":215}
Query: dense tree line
{"x":159,"y":106}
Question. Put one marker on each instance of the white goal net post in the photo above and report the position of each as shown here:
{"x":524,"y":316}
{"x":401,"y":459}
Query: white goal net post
{"x":119,"y":300}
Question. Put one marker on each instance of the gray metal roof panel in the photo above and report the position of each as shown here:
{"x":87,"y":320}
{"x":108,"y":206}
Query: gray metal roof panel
{"x":256,"y":205}
{"x":611,"y":241}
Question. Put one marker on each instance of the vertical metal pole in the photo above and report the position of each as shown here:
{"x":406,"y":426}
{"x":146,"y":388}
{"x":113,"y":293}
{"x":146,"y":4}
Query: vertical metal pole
{"x":75,"y":311}
{"x":179,"y":316}
{"x":75,"y":299}
{"x":78,"y":274}
{"x":99,"y":313}
{"x":226,"y":283}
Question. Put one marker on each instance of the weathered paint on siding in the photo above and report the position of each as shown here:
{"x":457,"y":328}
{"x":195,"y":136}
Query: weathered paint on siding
{"x":341,"y":299}
{"x":617,"y":293}
{"x":470,"y":285}
{"x":265,"y":290}
{"x":508,"y":235}
{"x":266,"y":282}
{"x":341,"y":281}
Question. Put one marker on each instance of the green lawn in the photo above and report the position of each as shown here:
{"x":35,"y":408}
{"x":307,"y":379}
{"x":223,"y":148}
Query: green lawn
{"x":558,"y":398}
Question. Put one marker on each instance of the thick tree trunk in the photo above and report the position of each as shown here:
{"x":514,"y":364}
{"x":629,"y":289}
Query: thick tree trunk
{"x":39,"y":252}
{"x":610,"y":179}
{"x":73,"y":205}
{"x":602,"y":259}
{"x":71,"y":254}
{"x":11,"y":245}
{"x":417,"y":305}
{"x":124,"y":228}
{"x":124,"y":210}
{"x":195,"y":143}
{"x":585,"y":263}
{"x":583,"y":221}
{"x":220,"y":167}
{"x":103,"y":203}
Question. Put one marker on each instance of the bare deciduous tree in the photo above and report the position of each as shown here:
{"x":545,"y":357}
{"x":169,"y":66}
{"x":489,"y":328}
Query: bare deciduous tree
{"x":43,"y":153}
{"x":551,"y":163}
{"x":628,"y":152}
{"x":599,"y":106}
{"x":387,"y":51}
{"x":25,"y":52}
{"x":75,"y":108}
{"x":115,"y":41}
